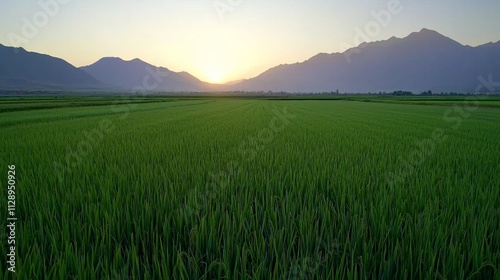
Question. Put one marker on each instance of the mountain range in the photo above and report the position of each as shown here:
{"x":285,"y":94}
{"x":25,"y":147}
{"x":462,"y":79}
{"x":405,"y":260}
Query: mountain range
{"x":424,"y":60}
{"x":138,"y":75}
{"x":20,"y":69}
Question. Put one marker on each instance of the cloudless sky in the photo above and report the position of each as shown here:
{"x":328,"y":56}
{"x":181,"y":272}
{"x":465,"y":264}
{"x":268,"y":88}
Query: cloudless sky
{"x":240,"y":42}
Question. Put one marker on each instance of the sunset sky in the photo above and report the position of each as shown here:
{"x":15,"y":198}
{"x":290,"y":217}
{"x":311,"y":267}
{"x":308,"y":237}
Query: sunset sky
{"x":218,"y":41}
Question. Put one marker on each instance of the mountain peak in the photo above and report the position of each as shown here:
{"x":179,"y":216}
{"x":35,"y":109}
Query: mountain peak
{"x":426,"y":30}
{"x":137,"y":60}
{"x":432,"y":37}
{"x":427,"y":33}
{"x":119,"y":60}
{"x":110,"y":58}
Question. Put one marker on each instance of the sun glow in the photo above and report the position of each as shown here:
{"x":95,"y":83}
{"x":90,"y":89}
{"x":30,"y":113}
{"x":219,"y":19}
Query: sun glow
{"x":214,"y":70}
{"x":214,"y":75}
{"x":213,"y":60}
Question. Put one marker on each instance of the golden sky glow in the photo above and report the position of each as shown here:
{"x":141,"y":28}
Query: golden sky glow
{"x":242,"y":41}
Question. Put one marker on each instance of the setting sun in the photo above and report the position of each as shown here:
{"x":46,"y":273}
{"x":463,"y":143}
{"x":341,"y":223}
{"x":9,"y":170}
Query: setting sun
{"x":214,"y":64}
{"x":214,"y":75}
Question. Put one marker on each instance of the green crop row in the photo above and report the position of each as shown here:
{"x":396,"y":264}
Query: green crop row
{"x":254,"y":189}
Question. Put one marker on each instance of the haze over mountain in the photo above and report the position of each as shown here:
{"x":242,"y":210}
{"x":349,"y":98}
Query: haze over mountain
{"x":137,"y":75}
{"x":20,"y":69}
{"x":424,"y":60}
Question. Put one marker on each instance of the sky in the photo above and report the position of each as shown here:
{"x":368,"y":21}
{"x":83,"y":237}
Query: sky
{"x":225,"y":40}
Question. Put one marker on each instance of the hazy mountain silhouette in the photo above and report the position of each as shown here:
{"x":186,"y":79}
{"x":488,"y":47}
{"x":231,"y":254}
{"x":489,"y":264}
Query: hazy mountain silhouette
{"x":424,"y":60}
{"x":21,"y":69}
{"x":137,"y":75}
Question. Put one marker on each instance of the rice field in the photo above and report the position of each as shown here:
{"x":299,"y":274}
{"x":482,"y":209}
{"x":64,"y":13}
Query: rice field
{"x":213,"y":188}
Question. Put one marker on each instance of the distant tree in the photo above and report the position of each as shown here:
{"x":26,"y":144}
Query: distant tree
{"x":403,"y":93}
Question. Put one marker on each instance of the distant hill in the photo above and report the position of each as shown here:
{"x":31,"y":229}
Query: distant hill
{"x":20,"y":69}
{"x":424,"y":60}
{"x":136,"y":74}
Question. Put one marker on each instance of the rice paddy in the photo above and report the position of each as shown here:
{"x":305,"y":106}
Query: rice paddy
{"x":213,"y":188}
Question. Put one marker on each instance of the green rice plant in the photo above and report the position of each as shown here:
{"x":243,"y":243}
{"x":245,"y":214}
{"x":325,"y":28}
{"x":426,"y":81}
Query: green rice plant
{"x":185,"y":189}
